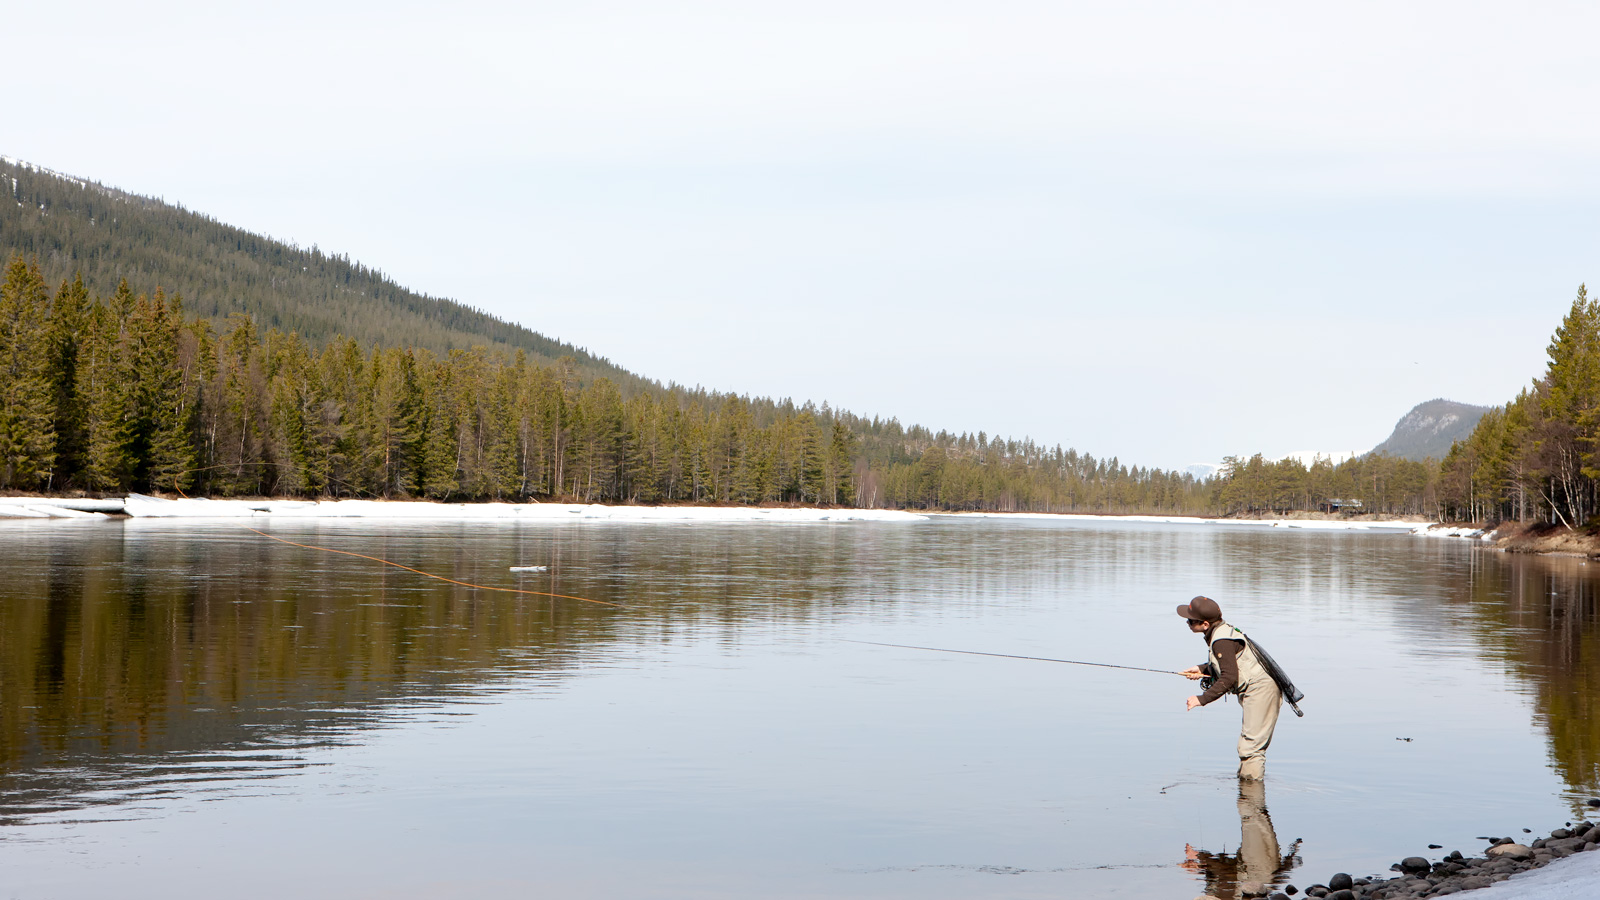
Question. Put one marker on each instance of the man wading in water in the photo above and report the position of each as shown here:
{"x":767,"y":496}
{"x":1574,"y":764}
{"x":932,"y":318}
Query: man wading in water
{"x":1234,"y":668}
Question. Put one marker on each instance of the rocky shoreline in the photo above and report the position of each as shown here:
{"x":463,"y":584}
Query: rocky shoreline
{"x":1451,"y":874}
{"x":1544,"y":538}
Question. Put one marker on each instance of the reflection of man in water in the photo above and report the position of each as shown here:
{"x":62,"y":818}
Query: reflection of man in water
{"x":1258,"y":856}
{"x":1234,"y":668}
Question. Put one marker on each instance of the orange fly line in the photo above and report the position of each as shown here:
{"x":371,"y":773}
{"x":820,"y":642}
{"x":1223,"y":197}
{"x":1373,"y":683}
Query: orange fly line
{"x":480,"y":587}
{"x":379,"y":559}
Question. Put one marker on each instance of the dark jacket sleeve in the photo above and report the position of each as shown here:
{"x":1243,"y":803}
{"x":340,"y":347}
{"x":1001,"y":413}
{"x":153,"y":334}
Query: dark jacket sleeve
{"x":1228,"y":662}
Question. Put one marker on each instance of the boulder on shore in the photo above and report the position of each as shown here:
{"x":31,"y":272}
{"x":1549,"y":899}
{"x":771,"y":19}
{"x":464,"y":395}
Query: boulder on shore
{"x":1512,"y":851}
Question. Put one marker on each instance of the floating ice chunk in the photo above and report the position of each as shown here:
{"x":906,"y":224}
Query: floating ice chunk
{"x":530,"y":568}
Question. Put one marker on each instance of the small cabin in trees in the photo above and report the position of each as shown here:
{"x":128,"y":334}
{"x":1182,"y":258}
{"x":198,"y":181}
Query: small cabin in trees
{"x":1336,"y":505}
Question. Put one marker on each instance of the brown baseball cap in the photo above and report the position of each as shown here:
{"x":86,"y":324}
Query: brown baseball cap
{"x":1201,"y":608}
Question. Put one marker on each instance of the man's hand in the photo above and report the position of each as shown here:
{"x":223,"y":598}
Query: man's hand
{"x":1193,"y":702}
{"x":1193,"y":673}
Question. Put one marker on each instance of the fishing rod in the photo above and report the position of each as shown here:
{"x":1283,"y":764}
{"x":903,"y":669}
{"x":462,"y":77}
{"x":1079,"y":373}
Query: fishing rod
{"x":1070,"y":662}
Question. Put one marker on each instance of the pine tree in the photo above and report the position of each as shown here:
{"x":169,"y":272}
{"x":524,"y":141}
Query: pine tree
{"x":441,"y":449}
{"x":68,"y":315}
{"x":161,"y":410}
{"x":1571,"y":410}
{"x":102,"y":391}
{"x":27,"y":398}
{"x":841,"y":466}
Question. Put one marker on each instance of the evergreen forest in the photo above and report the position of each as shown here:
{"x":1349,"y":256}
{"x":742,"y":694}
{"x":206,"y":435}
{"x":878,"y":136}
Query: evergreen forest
{"x":1537,"y":458}
{"x":147,"y":347}
{"x":127,"y":392}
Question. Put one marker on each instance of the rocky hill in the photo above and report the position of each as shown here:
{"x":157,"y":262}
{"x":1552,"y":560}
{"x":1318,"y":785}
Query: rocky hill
{"x":1428,"y":430}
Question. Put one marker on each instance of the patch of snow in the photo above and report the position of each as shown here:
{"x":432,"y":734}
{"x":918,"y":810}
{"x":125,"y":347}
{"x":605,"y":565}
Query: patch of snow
{"x":1307,"y":524}
{"x":1573,"y":878}
{"x":141,"y":506}
{"x":82,"y":505}
{"x":1461,"y":531}
{"x":62,"y":512}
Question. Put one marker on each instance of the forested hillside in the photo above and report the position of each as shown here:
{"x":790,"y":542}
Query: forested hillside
{"x":75,"y":227}
{"x":147,"y":347}
{"x":1538,"y":457}
{"x":128,"y":392}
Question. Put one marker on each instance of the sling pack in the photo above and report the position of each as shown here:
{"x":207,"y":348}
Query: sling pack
{"x":1290,"y":692}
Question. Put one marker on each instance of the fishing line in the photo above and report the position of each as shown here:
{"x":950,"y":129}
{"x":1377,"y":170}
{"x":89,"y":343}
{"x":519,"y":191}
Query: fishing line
{"x":1072,"y":662}
{"x":379,"y":559}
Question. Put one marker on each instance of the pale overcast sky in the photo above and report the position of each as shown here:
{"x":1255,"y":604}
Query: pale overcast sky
{"x":1162,"y":231}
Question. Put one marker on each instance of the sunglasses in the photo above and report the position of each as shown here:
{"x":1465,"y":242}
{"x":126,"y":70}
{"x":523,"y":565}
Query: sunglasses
{"x":1195,"y":621}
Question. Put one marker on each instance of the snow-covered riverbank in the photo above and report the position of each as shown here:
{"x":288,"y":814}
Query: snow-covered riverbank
{"x":1574,"y":878}
{"x":141,"y":507}
{"x":1385,"y":525}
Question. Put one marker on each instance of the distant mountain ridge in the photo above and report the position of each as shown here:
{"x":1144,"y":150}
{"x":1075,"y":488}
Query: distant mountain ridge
{"x":77,"y":226}
{"x":1428,"y":430}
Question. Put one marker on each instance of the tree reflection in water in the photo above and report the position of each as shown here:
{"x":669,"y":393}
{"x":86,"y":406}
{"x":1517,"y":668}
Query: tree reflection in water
{"x":141,"y":661}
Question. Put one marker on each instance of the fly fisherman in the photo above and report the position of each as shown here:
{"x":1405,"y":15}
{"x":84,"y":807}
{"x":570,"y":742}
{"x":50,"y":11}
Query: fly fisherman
{"x":1235,"y":668}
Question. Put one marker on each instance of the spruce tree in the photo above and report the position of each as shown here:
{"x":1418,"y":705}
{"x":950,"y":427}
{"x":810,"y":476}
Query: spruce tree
{"x":27,"y":397}
{"x":161,"y":410}
{"x":68,"y":315}
{"x":102,"y":391}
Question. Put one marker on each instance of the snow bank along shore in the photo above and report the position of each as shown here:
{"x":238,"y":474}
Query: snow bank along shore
{"x":1394,"y":525}
{"x":140,"y":506}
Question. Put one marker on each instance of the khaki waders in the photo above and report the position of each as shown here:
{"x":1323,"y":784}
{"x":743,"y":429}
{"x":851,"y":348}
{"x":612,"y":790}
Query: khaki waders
{"x":1259,"y":698}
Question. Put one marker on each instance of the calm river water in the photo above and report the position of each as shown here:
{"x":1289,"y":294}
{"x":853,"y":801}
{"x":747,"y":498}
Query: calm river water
{"x":188,"y":709}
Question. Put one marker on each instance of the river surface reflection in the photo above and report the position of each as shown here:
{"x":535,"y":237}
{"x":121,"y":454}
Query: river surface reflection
{"x":187,"y":706}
